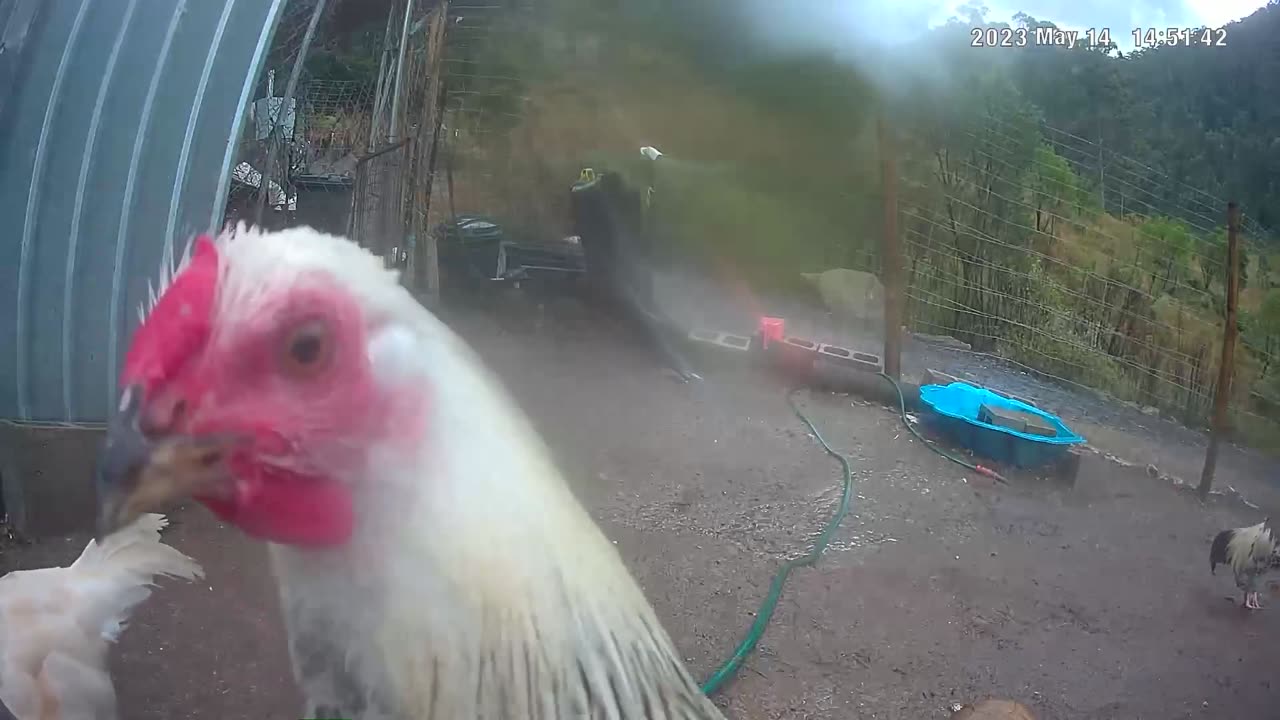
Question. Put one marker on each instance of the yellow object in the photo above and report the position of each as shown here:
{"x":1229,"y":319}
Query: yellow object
{"x":588,"y":175}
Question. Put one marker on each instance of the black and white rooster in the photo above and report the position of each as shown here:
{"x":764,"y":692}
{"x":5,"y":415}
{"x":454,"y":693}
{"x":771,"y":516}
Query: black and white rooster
{"x":1251,"y":552}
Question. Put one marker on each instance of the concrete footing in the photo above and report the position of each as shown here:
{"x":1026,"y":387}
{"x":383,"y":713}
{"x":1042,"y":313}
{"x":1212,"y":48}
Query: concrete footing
{"x":46,"y":477}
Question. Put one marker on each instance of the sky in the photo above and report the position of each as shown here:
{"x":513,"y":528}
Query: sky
{"x":837,"y":23}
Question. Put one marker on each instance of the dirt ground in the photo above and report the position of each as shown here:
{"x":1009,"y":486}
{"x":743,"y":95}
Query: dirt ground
{"x":1086,"y":602}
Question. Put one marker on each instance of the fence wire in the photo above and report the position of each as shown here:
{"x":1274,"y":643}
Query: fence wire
{"x":349,"y":154}
{"x":483,"y":166}
{"x":1086,"y":266}
{"x":300,"y":156}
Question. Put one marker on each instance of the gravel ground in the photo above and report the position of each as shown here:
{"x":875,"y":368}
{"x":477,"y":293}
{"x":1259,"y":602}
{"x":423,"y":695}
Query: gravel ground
{"x":1084,"y":602}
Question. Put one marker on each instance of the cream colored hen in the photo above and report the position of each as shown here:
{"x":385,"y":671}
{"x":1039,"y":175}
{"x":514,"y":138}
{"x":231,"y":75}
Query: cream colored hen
{"x":431,"y":559}
{"x":57,"y":623}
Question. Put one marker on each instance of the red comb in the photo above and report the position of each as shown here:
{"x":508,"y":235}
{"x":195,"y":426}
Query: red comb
{"x":178,"y":326}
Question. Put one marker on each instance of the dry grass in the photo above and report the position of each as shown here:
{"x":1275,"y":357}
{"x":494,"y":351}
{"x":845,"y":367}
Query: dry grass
{"x":738,"y":182}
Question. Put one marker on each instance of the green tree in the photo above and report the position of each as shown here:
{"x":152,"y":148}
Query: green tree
{"x":1262,"y":331}
{"x":1168,"y":245}
{"x":1056,"y":190}
{"x":1214,"y":260}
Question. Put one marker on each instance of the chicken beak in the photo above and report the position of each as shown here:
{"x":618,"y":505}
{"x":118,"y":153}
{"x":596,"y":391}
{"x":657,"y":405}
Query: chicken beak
{"x":139,"y":473}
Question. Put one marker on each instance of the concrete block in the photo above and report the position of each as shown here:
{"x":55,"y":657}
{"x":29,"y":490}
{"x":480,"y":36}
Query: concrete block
{"x":1036,"y":425}
{"x":1002,"y":417}
{"x":869,"y":360}
{"x":937,"y":377}
{"x":801,"y":344}
{"x":735,"y":343}
{"x":852,"y":358}
{"x":1020,"y":420}
{"x":46,"y":475}
{"x":717,"y":346}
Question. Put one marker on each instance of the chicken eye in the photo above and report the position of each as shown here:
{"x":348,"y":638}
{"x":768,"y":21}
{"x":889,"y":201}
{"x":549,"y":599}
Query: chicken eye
{"x":307,"y":348}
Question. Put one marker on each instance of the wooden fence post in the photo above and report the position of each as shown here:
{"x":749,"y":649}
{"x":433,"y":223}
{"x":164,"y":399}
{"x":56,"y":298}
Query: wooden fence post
{"x":429,"y":268}
{"x":1226,"y":367}
{"x":891,"y":255}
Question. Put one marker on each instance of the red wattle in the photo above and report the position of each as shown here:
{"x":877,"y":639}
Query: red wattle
{"x":291,"y":509}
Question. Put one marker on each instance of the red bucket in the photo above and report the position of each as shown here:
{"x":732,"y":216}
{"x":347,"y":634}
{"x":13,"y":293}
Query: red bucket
{"x":772,"y":329}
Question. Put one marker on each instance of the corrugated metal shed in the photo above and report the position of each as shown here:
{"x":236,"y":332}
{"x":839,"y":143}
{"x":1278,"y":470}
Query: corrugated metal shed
{"x":116,"y":144}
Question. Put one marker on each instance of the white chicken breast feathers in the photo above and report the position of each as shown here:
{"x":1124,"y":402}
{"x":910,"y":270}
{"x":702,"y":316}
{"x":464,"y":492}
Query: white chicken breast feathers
{"x":57,"y":623}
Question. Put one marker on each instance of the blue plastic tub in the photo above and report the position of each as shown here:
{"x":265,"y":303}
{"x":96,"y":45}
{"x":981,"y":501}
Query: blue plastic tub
{"x":953,"y":410}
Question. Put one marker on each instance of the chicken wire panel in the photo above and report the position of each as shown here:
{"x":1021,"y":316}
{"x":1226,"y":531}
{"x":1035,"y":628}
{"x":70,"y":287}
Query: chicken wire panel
{"x":116,"y":150}
{"x":377,"y":220}
{"x":336,"y":123}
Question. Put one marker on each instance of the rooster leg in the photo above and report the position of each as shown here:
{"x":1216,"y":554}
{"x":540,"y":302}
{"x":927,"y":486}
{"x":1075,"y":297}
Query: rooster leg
{"x":1251,"y":601}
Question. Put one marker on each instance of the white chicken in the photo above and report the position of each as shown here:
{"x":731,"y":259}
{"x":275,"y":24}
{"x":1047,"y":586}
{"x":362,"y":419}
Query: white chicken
{"x":57,"y":623}
{"x":431,"y":560}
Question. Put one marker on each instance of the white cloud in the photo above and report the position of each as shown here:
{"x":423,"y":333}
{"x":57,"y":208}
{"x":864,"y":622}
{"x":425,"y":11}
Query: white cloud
{"x":1213,"y":13}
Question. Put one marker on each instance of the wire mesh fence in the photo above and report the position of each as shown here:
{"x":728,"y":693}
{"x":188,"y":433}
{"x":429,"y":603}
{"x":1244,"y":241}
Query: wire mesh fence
{"x":336,"y":120}
{"x":346,"y":151}
{"x":296,"y":153}
{"x":378,"y":210}
{"x":484,"y":105}
{"x":1080,"y":264}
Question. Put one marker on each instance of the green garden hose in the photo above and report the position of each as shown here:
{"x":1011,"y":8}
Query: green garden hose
{"x":731,"y":666}
{"x":734,"y":663}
